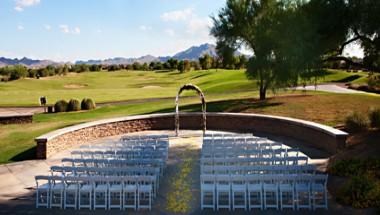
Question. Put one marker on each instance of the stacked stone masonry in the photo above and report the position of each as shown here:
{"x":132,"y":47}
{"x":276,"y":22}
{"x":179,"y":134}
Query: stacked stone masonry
{"x":320,"y":136}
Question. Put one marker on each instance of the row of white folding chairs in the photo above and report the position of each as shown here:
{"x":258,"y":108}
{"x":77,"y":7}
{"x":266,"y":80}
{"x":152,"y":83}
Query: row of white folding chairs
{"x":234,"y":140}
{"x":147,"y":142}
{"x":261,"y":169}
{"x":297,"y":160}
{"x":105,"y":163}
{"x":257,"y":143}
{"x":231,"y":153}
{"x":117,"y":154}
{"x":244,"y":146}
{"x":95,"y":192}
{"x":264,"y":191}
{"x":77,"y":171}
{"x":121,"y":147}
{"x":144,"y":137}
{"x":212,"y":135}
{"x":95,"y":171}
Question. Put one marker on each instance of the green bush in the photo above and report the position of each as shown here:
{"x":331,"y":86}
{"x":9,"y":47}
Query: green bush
{"x":88,"y":104}
{"x":356,"y":122}
{"x":360,"y":192}
{"x":61,"y":106}
{"x":355,"y":167}
{"x":374,"y":117}
{"x":74,"y":105}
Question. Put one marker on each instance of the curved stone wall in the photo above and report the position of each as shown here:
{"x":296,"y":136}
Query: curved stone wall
{"x":320,"y":136}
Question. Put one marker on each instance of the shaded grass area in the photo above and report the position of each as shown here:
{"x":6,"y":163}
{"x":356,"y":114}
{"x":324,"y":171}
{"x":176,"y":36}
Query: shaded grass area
{"x":17,"y":141}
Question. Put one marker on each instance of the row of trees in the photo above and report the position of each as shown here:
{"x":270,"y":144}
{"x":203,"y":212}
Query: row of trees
{"x":295,"y":38}
{"x":15,"y":72}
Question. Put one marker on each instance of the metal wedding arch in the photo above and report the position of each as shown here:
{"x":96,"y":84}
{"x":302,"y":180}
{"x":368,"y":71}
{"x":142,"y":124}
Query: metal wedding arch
{"x":201,"y":96}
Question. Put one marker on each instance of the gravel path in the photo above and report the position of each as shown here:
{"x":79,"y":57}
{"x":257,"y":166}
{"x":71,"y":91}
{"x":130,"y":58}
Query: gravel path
{"x":332,"y":88}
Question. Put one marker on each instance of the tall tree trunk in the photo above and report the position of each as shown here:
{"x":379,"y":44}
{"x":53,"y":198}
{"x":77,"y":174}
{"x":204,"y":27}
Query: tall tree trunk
{"x":263,"y":94}
{"x":263,"y":90}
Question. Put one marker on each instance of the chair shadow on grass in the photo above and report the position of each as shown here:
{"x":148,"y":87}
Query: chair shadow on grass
{"x":28,"y":154}
{"x":234,"y":105}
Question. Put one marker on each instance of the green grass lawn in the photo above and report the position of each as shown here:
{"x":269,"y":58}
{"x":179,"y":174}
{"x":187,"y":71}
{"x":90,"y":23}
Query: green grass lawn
{"x":125,"y":85}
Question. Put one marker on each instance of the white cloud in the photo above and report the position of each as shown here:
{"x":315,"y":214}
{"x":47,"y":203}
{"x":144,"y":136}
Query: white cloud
{"x":170,"y":32}
{"x":21,"y":4}
{"x":20,"y":27}
{"x":145,"y":28}
{"x":191,"y":22}
{"x":76,"y":30}
{"x":47,"y":27}
{"x":177,"y":15}
{"x":198,"y":25}
{"x":67,"y":30}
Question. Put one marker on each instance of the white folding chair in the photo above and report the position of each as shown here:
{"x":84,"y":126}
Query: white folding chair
{"x":239,"y":192}
{"x":130,"y":192}
{"x":302,"y":189}
{"x":286,"y":188}
{"x":255,"y":191}
{"x":71,"y":192}
{"x":56,"y":191}
{"x":42,"y":190}
{"x":85,"y":192}
{"x":115,"y":190}
{"x":270,"y":190}
{"x":207,"y":191}
{"x":223,"y":191}
{"x":145,"y":192}
{"x":319,"y":191}
{"x":100,"y":192}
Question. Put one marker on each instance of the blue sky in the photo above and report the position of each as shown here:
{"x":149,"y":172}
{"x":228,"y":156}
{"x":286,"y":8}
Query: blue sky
{"x":69,"y":30}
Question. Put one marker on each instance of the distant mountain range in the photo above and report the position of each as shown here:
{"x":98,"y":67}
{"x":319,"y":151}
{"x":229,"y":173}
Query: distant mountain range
{"x":27,"y":62}
{"x":193,"y":53}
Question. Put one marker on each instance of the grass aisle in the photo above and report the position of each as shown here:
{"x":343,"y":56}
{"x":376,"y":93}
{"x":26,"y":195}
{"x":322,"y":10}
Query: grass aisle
{"x":183,"y":193}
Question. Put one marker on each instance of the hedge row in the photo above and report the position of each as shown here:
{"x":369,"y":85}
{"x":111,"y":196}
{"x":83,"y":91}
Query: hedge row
{"x":74,"y":105}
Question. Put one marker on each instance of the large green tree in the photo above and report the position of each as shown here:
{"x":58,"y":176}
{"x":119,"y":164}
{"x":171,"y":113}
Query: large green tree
{"x":270,"y":29}
{"x":353,"y":21}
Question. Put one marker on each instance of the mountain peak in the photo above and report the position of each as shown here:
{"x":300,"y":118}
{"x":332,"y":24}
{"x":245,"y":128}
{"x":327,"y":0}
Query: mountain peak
{"x":192,"y":53}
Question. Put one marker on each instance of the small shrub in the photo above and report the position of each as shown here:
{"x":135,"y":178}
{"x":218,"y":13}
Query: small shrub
{"x":360,"y":192}
{"x":374,"y":117}
{"x":74,"y":105}
{"x":88,"y":104}
{"x":61,"y":106}
{"x":355,"y":167}
{"x":356,"y":122}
